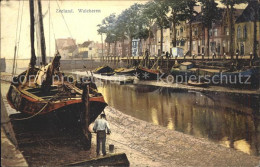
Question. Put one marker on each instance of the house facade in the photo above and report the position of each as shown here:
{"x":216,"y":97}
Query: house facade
{"x":244,"y":30}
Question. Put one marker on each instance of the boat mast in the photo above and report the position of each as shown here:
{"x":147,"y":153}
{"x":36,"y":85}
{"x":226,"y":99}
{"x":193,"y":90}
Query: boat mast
{"x":42,"y":38}
{"x":33,"y":57}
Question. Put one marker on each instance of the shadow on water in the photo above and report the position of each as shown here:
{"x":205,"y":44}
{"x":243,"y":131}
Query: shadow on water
{"x":230,"y":121}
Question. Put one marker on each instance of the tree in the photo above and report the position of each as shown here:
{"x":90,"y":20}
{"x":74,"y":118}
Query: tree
{"x":148,"y":20}
{"x":175,"y":16}
{"x":101,"y":30}
{"x":210,"y":14}
{"x":131,"y":15}
{"x":160,"y":16}
{"x":107,"y":28}
{"x":188,"y":14}
{"x":231,"y":22}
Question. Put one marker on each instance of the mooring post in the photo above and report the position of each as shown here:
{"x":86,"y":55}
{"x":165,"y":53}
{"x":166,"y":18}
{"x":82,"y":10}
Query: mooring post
{"x":85,"y":115}
{"x":251,"y":57}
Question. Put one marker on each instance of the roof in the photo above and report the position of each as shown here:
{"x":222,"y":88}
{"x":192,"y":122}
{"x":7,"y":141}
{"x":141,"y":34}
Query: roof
{"x":248,"y":14}
{"x":62,"y":43}
{"x":70,"y":48}
{"x":85,"y":44}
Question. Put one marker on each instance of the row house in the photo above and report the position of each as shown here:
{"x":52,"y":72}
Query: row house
{"x":87,"y":49}
{"x":218,"y":35}
{"x":244,"y":30}
{"x":121,"y":48}
{"x":99,"y":49}
{"x":181,"y":36}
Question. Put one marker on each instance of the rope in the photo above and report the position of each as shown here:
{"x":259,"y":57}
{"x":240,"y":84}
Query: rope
{"x":54,"y":34}
{"x":49,"y":6}
{"x":19,"y":36}
{"x":15,"y":52}
{"x":65,"y":22}
{"x":34,"y":114}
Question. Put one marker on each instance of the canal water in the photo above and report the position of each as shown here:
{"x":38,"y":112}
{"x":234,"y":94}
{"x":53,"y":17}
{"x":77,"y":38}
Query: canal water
{"x":230,"y":121}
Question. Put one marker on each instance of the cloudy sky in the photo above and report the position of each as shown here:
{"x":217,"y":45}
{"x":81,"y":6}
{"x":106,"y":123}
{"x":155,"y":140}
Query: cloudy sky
{"x":82,"y":26}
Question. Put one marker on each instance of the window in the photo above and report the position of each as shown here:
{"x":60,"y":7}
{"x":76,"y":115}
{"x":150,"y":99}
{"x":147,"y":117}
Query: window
{"x":182,"y":43}
{"x":196,"y":31}
{"x":215,"y":32}
{"x":193,"y":45}
{"x":213,"y":46}
{"x":178,"y":33}
{"x":181,"y":30}
{"x":238,"y":32}
{"x":90,"y":48}
{"x":245,"y":32}
{"x":226,"y":31}
{"x":210,"y":33}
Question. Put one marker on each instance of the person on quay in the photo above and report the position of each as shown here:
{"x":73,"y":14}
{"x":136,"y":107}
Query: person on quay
{"x":101,"y":127}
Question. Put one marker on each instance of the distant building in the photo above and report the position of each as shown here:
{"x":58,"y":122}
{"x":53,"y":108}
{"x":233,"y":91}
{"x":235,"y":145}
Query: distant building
{"x":99,"y":49}
{"x":181,"y":37}
{"x":70,"y":52}
{"x":135,"y":47}
{"x":87,"y":49}
{"x":244,"y":30}
{"x":61,"y":44}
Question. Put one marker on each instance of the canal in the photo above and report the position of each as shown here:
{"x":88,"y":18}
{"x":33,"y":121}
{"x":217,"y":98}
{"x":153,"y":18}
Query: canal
{"x":229,"y":121}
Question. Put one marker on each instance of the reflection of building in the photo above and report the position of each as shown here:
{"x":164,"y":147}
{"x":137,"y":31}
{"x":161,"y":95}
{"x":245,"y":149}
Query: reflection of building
{"x":244,"y":30}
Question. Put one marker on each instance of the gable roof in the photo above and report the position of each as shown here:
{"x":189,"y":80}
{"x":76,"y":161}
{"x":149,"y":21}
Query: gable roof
{"x":248,"y":13}
{"x":70,"y":48}
{"x":85,"y":44}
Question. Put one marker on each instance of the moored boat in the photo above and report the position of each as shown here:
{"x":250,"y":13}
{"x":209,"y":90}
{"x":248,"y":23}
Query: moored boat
{"x":125,"y":71}
{"x":143,"y":73}
{"x":45,"y":90}
{"x":103,"y":70}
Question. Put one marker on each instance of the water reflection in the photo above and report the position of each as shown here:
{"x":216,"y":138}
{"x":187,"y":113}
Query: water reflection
{"x":219,"y":118}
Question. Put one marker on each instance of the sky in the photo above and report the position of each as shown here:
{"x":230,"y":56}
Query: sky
{"x":82,"y":26}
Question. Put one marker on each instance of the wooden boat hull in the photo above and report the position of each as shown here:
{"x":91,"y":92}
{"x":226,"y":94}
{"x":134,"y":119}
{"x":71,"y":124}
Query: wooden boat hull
{"x":104,"y":69}
{"x":127,"y":72}
{"x":147,"y":74}
{"x":31,"y":106}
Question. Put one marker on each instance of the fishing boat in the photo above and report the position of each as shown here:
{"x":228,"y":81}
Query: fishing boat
{"x":183,"y":71}
{"x":147,"y":74}
{"x":45,"y":90}
{"x":125,"y":71}
{"x":104,"y":70}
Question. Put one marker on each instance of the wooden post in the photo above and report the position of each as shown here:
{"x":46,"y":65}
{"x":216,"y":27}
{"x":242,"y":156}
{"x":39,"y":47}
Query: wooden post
{"x":251,"y":57}
{"x":85,"y":116}
{"x":161,"y":61}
